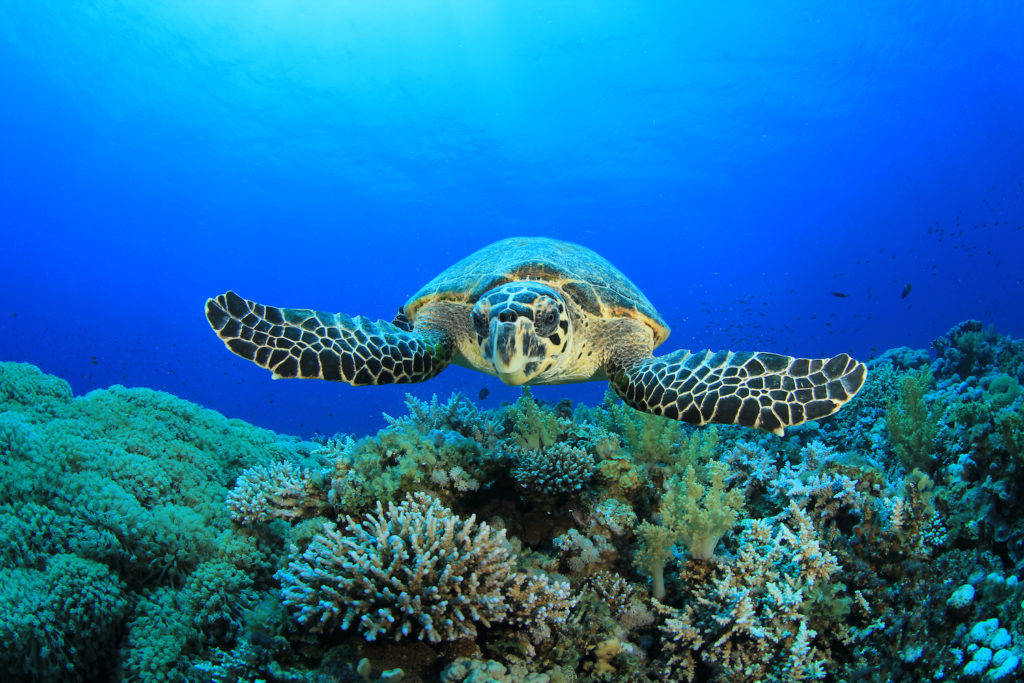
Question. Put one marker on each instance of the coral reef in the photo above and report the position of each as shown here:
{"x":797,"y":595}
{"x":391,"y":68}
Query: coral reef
{"x":119,"y":556}
{"x":416,"y":570}
{"x":145,"y":538}
{"x":749,"y":619}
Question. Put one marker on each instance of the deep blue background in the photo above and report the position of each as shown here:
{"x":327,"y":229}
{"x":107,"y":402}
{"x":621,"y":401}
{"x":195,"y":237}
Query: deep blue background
{"x":739,"y":161}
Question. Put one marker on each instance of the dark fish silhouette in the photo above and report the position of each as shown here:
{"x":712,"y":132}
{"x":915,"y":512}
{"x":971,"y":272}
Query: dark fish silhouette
{"x":841,"y":295}
{"x":906,"y":290}
{"x":484,"y":393}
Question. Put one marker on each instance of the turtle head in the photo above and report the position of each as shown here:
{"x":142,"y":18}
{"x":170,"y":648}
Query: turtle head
{"x":523,"y":329}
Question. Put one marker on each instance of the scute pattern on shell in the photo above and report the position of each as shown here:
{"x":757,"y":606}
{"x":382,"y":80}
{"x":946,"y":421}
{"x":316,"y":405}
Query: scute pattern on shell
{"x":593,"y":282}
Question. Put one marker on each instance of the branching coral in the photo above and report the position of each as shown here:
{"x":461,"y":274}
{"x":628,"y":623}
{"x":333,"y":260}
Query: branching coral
{"x":412,"y":454}
{"x":747,"y":620}
{"x":560,"y":468}
{"x":584,"y":553}
{"x":277,"y":491}
{"x":417,"y":570}
{"x":124,"y":491}
{"x":458,"y":414}
{"x":817,"y":485}
{"x":752,"y":466}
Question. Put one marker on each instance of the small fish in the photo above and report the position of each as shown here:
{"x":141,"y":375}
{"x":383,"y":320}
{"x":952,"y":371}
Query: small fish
{"x":841,"y":295}
{"x":906,"y":290}
{"x":484,"y":393}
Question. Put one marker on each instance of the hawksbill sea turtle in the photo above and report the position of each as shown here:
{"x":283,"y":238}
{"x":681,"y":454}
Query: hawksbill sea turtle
{"x":534,"y":310}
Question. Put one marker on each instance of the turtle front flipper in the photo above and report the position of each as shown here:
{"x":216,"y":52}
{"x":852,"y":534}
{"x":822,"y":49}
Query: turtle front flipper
{"x":760,"y":390}
{"x":298,"y":342}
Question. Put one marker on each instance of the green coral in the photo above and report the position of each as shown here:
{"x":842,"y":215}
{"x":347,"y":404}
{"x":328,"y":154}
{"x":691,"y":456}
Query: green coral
{"x":159,"y":637}
{"x":649,"y":439}
{"x":111,"y":497}
{"x":700,"y":512}
{"x":696,"y":449}
{"x":437,"y":447}
{"x":656,"y":543}
{"x":695,"y":512}
{"x":60,"y":622}
{"x":533,"y":427}
{"x":1002,"y":391}
{"x":27,"y":389}
{"x":911,"y":426}
{"x":1010,"y":427}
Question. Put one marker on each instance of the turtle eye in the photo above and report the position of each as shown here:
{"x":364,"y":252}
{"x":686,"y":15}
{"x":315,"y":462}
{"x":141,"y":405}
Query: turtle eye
{"x":546,"y":322}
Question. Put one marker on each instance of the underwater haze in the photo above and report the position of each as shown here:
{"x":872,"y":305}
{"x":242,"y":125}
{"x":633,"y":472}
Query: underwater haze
{"x":828,"y":196}
{"x":739,"y":162}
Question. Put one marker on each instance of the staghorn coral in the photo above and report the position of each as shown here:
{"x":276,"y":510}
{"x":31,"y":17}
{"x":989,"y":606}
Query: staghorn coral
{"x":819,"y":484}
{"x":628,"y":604}
{"x":416,"y":570}
{"x":744,"y":618}
{"x":136,"y":482}
{"x":752,"y":465}
{"x":458,"y":414}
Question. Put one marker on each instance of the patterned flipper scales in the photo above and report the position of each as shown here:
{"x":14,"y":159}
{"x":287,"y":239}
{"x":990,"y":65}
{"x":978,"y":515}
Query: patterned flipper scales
{"x":760,"y":390}
{"x":297,"y":342}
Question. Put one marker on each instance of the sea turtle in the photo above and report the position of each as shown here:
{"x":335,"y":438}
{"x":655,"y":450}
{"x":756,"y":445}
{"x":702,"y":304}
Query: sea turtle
{"x":535,"y":310}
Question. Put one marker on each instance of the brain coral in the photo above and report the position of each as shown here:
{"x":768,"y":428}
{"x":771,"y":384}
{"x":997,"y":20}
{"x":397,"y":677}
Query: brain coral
{"x":416,"y":570}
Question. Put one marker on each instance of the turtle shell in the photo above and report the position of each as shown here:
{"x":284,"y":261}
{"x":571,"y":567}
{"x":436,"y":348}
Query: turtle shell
{"x":594,"y":283}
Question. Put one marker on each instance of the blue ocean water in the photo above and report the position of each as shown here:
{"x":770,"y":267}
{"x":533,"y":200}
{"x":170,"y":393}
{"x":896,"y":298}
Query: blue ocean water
{"x":743,"y":163}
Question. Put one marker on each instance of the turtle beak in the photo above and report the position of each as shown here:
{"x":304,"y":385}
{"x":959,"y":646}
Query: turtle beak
{"x":508,"y":361}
